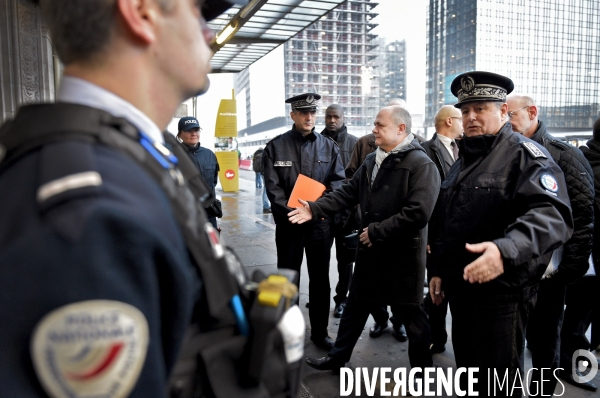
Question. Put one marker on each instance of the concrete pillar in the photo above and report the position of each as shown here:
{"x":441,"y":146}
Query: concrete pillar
{"x":26,"y":57}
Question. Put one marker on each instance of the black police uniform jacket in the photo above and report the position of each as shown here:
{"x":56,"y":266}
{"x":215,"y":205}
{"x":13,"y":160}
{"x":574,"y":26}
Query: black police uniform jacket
{"x":396,"y":207}
{"x":117,"y":241}
{"x":290,"y":154}
{"x":206,"y":161}
{"x":580,"y":187}
{"x":500,"y":190}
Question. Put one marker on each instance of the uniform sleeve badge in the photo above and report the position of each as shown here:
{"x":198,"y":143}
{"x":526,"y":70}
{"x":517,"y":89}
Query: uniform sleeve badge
{"x":91,"y":348}
{"x":549,"y":183}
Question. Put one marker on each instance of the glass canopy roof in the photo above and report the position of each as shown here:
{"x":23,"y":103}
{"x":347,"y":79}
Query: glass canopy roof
{"x":274,"y":23}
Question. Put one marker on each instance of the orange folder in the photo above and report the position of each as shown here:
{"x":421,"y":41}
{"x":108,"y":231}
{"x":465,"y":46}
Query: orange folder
{"x":306,"y":189}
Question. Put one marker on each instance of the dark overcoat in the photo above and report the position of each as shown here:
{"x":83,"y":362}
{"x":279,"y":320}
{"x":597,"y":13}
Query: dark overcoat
{"x":396,"y":207}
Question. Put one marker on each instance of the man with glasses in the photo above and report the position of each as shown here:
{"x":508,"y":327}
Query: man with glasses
{"x":204,"y":159}
{"x":570,"y":262}
{"x":502,"y":206}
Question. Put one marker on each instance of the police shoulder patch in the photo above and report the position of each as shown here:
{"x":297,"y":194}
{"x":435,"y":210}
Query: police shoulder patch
{"x":533,"y":150}
{"x":92,"y":348}
{"x":549,"y":183}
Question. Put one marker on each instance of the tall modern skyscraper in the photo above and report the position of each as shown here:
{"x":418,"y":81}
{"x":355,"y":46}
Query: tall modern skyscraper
{"x":335,"y":57}
{"x":549,"y":48}
{"x":392,"y":70}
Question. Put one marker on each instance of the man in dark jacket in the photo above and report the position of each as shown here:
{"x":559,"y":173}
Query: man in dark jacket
{"x":364,"y":146}
{"x":335,"y":128}
{"x":543,"y":329}
{"x":204,"y":159}
{"x":503,"y":205}
{"x":303,"y":151}
{"x":442,"y":149}
{"x":396,"y":188}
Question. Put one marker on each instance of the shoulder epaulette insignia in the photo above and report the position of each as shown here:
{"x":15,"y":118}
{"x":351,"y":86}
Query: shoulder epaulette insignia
{"x":560,"y":144}
{"x":534,"y":150}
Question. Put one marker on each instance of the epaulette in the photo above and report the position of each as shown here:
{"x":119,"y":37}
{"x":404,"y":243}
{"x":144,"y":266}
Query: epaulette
{"x":274,"y":138}
{"x":533,"y":150}
{"x":560,"y":144}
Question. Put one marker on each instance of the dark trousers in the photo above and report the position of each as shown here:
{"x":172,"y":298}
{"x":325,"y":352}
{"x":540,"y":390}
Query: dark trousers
{"x":381,"y":316}
{"x":437,"y":319}
{"x":345,"y":262}
{"x":580,"y":300}
{"x":543,"y":334}
{"x":314,"y":238}
{"x":355,"y":317}
{"x":488,"y":333}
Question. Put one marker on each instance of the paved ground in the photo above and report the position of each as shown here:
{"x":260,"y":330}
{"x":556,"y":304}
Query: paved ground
{"x":251,"y":234}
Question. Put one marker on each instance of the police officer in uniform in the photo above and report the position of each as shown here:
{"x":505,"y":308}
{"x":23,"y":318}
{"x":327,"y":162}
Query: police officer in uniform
{"x":303,"y":151}
{"x":503,"y":205}
{"x":203,"y":158}
{"x":97,"y":279}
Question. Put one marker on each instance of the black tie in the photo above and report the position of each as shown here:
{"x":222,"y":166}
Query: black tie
{"x":454,"y":150}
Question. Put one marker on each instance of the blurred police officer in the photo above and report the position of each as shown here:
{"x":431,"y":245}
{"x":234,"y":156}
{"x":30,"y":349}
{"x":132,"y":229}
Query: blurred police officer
{"x":570,"y":262}
{"x":188,"y":131}
{"x":97,"y":283}
{"x":503,"y":205}
{"x":442,"y":149}
{"x":335,"y":128}
{"x":303,"y":151}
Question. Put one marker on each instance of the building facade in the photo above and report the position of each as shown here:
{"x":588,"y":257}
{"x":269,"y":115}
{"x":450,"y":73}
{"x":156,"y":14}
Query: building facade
{"x":549,"y":48}
{"x":336,"y":57}
{"x":392,"y":70}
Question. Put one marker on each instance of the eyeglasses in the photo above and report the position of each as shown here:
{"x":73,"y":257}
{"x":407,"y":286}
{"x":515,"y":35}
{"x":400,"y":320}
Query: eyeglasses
{"x":511,"y":114}
{"x":454,"y":117}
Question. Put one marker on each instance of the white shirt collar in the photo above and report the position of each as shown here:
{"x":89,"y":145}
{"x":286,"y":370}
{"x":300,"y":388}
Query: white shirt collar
{"x":79,"y":91}
{"x":447,"y":143}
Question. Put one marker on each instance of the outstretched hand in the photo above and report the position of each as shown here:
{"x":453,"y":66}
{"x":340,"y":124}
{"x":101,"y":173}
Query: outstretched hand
{"x":487,"y":267}
{"x":301,"y":214}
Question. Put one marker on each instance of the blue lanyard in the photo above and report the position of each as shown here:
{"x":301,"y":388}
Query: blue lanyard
{"x":158,"y":151}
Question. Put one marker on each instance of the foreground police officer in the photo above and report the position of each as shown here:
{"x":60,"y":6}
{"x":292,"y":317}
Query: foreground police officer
{"x":502,"y":206}
{"x":97,"y":283}
{"x":303,"y":151}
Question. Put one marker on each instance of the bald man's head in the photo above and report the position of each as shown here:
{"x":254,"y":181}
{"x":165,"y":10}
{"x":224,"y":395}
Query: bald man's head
{"x":448,"y":122}
{"x":398,"y":102}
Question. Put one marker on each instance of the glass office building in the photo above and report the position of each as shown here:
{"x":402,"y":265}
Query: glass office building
{"x":549,"y":48}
